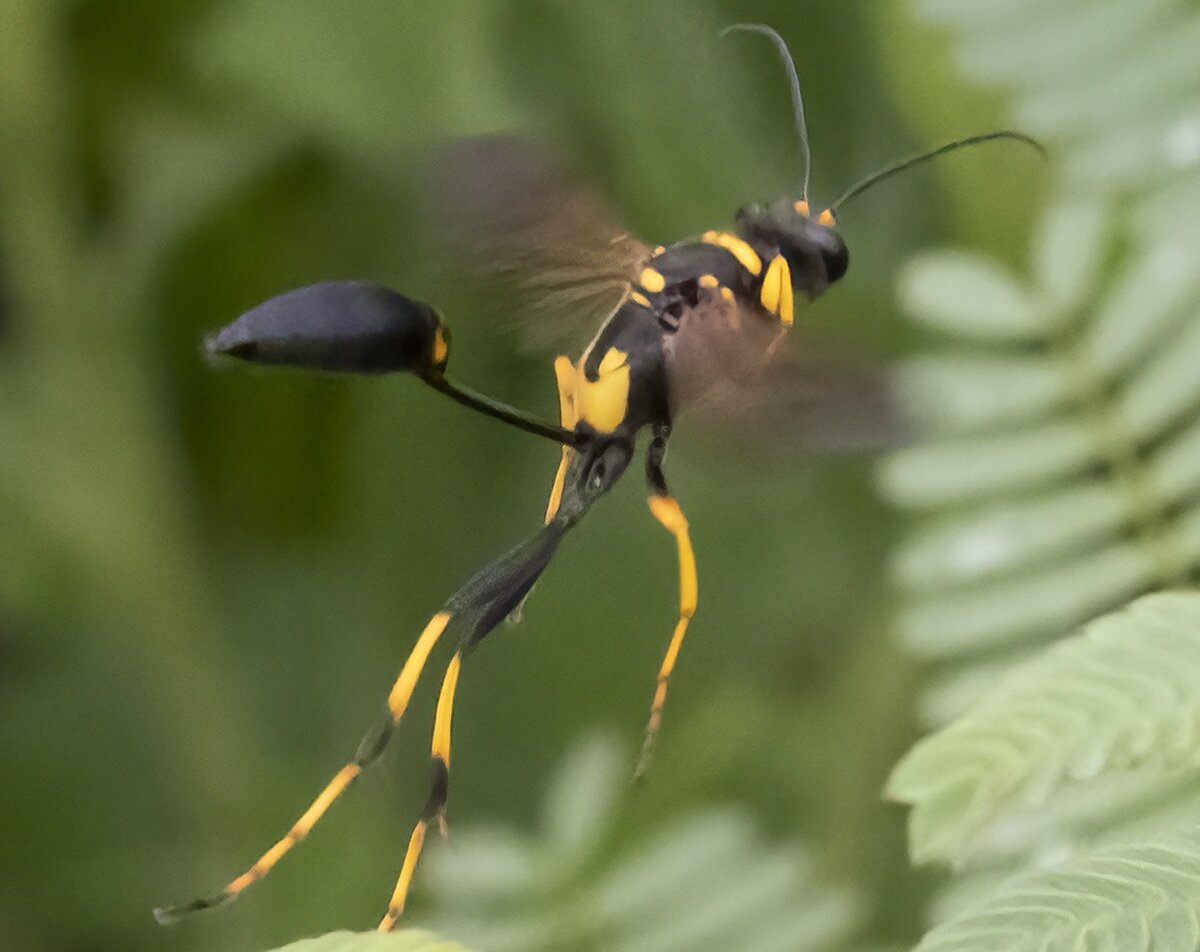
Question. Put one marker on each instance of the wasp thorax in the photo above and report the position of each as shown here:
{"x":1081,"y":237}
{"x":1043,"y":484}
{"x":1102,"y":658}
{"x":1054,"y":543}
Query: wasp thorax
{"x":815,"y":251}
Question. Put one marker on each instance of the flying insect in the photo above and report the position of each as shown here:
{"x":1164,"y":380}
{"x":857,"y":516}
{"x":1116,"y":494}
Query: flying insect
{"x":680,"y":325}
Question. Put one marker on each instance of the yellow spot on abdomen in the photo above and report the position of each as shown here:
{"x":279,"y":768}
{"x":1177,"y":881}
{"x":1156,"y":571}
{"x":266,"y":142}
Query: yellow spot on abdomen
{"x":708,"y":281}
{"x":602,"y":402}
{"x":747,"y":257}
{"x":727,"y":295}
{"x":639,"y":298}
{"x":776,"y":293}
{"x":652,"y":280}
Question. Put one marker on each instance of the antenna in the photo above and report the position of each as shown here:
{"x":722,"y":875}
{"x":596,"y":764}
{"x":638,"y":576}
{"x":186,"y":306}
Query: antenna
{"x":793,"y":79}
{"x":875,"y":177}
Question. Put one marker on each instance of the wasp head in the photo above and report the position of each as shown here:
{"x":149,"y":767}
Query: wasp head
{"x":815,"y":251}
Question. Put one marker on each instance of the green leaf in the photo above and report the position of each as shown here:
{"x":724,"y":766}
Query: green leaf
{"x":955,"y":471}
{"x":705,"y":882}
{"x":1128,"y":898}
{"x":1064,"y":42}
{"x":1068,"y":249}
{"x":970,"y":13}
{"x":957,"y":393}
{"x":1100,"y":504}
{"x":1123,"y":693}
{"x":583,"y":797}
{"x":1141,"y":81}
{"x":999,"y":537}
{"x":406,"y":941}
{"x":1152,"y":295}
{"x":1166,"y":389}
{"x":970,"y":296}
{"x":1012,"y":612}
{"x":319,"y":69}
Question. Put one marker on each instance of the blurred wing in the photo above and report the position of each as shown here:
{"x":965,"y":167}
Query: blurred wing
{"x":546,"y":250}
{"x":729,"y":373}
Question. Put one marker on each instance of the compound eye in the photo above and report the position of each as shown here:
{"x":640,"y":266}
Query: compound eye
{"x":837,"y":260}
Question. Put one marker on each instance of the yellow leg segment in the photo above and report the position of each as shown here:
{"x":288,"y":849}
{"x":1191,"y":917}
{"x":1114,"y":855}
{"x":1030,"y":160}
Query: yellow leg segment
{"x":402,"y":690}
{"x":666,"y":510}
{"x":397,"y":702}
{"x":400,"y":894}
{"x":371,"y":747}
{"x":298,"y":832}
{"x":564,"y":374}
{"x":435,"y":808}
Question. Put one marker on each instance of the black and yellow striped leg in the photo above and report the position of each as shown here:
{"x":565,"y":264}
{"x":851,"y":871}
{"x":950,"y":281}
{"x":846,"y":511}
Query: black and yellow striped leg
{"x":478,"y":607}
{"x":666,"y":510}
{"x":369,"y":750}
{"x":439,"y":792}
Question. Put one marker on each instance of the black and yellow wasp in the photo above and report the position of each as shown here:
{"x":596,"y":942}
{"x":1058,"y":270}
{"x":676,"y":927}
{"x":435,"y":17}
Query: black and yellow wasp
{"x":697,"y":321}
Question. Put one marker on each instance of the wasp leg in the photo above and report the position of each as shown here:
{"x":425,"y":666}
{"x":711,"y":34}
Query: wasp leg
{"x":666,"y":510}
{"x":479,"y":606}
{"x":564,"y":374}
{"x":439,"y":792}
{"x":369,"y":750}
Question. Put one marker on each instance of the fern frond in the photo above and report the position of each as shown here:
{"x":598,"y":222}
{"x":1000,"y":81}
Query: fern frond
{"x":1063,"y":468}
{"x":1127,"y":898}
{"x":706,"y":882}
{"x":1061,"y":477}
{"x":1123,"y":693}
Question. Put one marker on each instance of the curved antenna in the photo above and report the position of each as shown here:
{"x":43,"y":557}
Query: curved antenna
{"x":875,"y":177}
{"x":793,"y":79}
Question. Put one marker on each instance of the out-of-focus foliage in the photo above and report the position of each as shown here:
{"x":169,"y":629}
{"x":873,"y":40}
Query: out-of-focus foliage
{"x":1065,"y":465}
{"x":705,"y":881}
{"x":1061,"y":480}
{"x":1121,"y":695}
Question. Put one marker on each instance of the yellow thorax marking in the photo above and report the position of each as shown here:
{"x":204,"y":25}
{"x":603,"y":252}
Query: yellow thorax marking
{"x":565,"y":376}
{"x":776,"y":293}
{"x":652,"y":280}
{"x":747,"y":256}
{"x":639,"y":298}
{"x":801,"y":207}
{"x":602,"y":402}
{"x":826,"y":217}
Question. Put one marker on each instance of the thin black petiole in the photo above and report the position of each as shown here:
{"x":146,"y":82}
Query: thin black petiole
{"x":502,"y":411}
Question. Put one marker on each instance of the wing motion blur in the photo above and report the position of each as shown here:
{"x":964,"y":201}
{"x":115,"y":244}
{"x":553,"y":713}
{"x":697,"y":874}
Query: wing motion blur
{"x":546,"y":249}
{"x":731,"y":374}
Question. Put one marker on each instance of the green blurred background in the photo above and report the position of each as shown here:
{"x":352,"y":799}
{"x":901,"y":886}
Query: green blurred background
{"x":209,"y":577}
